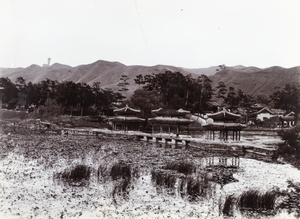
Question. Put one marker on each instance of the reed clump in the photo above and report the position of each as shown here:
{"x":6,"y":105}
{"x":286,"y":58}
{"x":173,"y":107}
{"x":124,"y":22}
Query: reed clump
{"x":229,"y":205}
{"x":121,"y":170}
{"x":183,"y":167}
{"x":196,"y":187}
{"x":255,"y":201}
{"x":163,"y":178}
{"x":77,"y":176}
{"x":123,"y":176}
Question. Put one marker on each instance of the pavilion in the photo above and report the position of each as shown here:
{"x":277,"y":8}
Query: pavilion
{"x":224,"y":122}
{"x":288,"y":120}
{"x":127,"y":118}
{"x":224,"y":129}
{"x":169,"y":120}
{"x":224,"y":116}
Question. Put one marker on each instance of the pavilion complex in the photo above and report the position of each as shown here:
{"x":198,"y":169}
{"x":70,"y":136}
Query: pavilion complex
{"x":288,"y":120}
{"x":170,"y":121}
{"x":127,"y":118}
{"x":264,"y":113}
{"x":224,"y":116}
{"x":224,"y":122}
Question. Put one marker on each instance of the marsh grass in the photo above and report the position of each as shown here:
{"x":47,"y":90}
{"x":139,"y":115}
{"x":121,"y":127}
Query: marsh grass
{"x":183,"y":167}
{"x":162,"y":178}
{"x":291,"y":201}
{"x":229,"y":205}
{"x":255,"y":201}
{"x":121,"y":170}
{"x":103,"y":173}
{"x":192,"y":186}
{"x":77,"y":176}
{"x":121,"y":189}
{"x":123,"y":176}
{"x":196,"y":187}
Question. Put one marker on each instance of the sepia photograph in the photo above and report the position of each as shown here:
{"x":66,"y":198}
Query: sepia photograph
{"x":149,"y":109}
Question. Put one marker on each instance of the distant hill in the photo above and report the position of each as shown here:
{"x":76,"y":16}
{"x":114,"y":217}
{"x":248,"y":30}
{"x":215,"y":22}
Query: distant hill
{"x":202,"y":71}
{"x":255,"y":81}
{"x":251,"y":80}
{"x":107,"y":73}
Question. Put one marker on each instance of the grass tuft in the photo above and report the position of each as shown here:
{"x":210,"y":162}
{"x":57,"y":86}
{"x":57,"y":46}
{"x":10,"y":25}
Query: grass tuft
{"x":79,"y":175}
{"x":181,"y":167}
{"x":255,"y":201}
{"x":103,"y":173}
{"x":123,"y":175}
{"x":228,"y":205}
{"x":121,"y":170}
{"x":193,"y":188}
{"x":164,"y":179}
{"x":121,"y":189}
{"x":196,"y":187}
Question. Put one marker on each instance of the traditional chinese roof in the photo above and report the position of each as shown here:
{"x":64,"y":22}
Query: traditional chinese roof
{"x":127,"y":111}
{"x":278,"y":112}
{"x":170,"y":121}
{"x":156,"y":110}
{"x":223,"y":115}
{"x":182,"y":111}
{"x":287,"y":118}
{"x":126,"y":119}
{"x":264,"y":110}
{"x":170,"y":112}
{"x":290,"y":114}
{"x":224,"y":126}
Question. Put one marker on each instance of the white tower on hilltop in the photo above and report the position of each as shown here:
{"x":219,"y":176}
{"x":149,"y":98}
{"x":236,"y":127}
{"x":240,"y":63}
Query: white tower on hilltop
{"x":47,"y":65}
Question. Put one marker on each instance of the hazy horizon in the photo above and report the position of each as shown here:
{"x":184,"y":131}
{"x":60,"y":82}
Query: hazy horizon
{"x":188,"y":34}
{"x":200,"y":67}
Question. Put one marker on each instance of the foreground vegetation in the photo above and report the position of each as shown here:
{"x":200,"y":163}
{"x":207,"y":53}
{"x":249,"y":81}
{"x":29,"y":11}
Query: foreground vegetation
{"x":290,"y":148}
{"x":71,"y":176}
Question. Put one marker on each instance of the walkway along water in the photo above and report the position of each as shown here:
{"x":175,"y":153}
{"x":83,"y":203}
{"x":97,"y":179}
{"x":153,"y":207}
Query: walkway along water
{"x":221,"y":148}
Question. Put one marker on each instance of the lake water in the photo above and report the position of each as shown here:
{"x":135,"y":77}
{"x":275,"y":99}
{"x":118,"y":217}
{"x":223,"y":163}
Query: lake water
{"x":30,"y":189}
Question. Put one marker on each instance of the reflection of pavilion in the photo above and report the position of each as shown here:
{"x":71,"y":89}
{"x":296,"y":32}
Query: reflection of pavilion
{"x":127,"y":118}
{"x":224,"y":122}
{"x":169,"y":120}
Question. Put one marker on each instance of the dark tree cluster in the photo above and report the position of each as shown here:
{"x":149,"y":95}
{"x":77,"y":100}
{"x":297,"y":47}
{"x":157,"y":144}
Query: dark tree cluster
{"x":288,"y":98}
{"x":178,"y":91}
{"x":232,"y":97}
{"x":58,"y":97}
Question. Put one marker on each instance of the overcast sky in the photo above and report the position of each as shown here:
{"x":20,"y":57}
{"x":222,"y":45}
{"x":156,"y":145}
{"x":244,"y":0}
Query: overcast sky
{"x":184,"y":33}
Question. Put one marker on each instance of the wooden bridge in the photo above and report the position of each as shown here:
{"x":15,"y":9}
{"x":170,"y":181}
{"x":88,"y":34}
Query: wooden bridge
{"x":162,"y":139}
{"x":221,"y":148}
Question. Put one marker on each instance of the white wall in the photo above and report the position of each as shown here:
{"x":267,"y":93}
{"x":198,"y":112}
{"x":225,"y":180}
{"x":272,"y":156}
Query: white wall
{"x":261,"y":116}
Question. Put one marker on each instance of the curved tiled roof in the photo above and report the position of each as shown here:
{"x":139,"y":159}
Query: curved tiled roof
{"x":223,"y":115}
{"x":127,"y":111}
{"x":126,"y":119}
{"x":224,"y":126}
{"x":169,"y":112}
{"x":169,"y":120}
{"x":265,"y":109}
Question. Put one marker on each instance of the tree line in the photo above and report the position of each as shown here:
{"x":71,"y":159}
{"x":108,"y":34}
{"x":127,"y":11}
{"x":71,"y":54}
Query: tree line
{"x":58,"y":97}
{"x":166,"y":89}
{"x":174,"y":90}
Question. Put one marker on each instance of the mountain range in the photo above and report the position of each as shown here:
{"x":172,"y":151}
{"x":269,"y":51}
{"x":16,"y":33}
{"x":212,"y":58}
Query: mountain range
{"x":251,"y":80}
